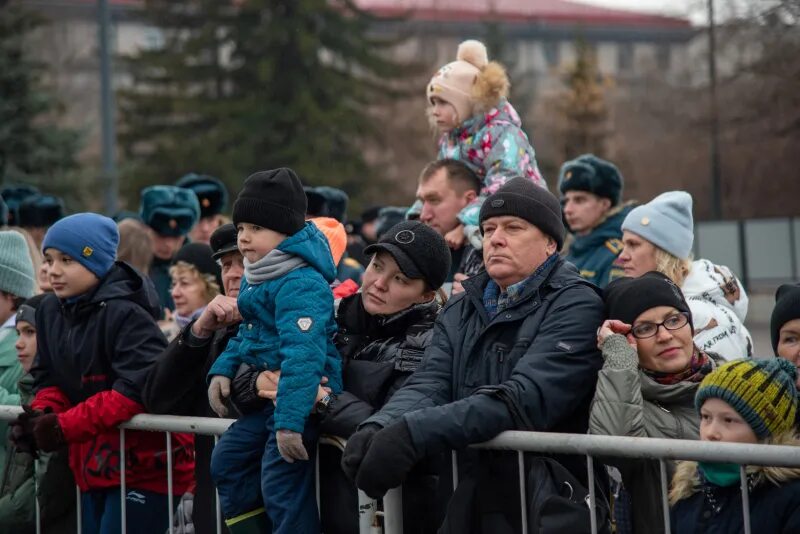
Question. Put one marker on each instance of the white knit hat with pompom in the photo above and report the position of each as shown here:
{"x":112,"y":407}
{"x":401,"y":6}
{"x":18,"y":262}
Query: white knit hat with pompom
{"x":453,"y":82}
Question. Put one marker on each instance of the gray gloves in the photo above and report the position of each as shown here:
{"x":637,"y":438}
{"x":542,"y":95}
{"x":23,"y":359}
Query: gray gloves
{"x":218,"y":390}
{"x":290,"y":445}
{"x":618,"y":354}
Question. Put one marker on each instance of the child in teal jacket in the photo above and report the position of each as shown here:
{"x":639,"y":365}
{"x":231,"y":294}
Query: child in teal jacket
{"x":287,"y":325}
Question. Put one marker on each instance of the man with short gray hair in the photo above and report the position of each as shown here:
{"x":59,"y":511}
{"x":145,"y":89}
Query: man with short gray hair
{"x":516,"y":351}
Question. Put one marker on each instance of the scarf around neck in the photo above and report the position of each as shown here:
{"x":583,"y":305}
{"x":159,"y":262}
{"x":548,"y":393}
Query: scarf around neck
{"x":182,"y":321}
{"x":275,"y":264}
{"x":699,"y":366}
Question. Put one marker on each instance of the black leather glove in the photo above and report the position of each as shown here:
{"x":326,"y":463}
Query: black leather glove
{"x":22,"y":429}
{"x":390,"y":457}
{"x":356,"y":448}
{"x":48,"y":434}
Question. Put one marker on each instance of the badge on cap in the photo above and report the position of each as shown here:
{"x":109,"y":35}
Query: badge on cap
{"x":87,"y":251}
{"x":645,"y":221}
{"x":404,"y":237}
{"x":568,"y":175}
{"x":305,"y":323}
{"x":173,"y":223}
{"x":205,"y":202}
{"x":498,"y":203}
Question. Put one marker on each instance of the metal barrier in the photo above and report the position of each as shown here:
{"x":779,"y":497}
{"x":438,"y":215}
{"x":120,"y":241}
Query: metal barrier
{"x":538,"y":442}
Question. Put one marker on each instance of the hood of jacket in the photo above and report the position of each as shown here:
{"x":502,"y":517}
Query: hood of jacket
{"x":609,"y":228}
{"x":122,"y":282}
{"x":682,"y":392}
{"x":717,"y":285}
{"x":311,"y":245}
{"x":686,"y":481}
{"x":504,"y":112}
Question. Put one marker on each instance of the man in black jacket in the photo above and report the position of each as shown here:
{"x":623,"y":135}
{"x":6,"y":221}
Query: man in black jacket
{"x":516,"y":351}
{"x":176,"y":384}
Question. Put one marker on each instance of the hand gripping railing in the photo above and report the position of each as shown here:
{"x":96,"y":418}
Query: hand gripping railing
{"x":590,"y":446}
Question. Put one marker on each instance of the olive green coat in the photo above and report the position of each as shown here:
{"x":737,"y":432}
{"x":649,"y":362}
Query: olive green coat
{"x":627,"y":402}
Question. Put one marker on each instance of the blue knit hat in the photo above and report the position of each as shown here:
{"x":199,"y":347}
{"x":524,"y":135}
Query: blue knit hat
{"x":666,"y":221}
{"x":89,"y":238}
{"x":16,"y":267}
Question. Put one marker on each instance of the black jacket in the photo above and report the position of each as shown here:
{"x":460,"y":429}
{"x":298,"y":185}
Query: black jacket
{"x":532,"y":367}
{"x":176,"y":385}
{"x":379,"y":354}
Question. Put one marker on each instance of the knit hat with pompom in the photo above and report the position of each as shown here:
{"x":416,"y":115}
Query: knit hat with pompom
{"x":471,"y":82}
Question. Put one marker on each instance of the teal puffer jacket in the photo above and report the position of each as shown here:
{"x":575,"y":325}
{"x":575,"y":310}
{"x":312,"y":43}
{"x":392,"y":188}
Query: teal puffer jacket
{"x":288,"y":324}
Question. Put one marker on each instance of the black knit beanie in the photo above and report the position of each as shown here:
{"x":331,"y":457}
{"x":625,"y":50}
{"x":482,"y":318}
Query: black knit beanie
{"x":627,"y":298}
{"x":522,"y":198}
{"x":787,"y":307}
{"x":199,"y":255}
{"x":272,"y":199}
{"x":419,"y":250}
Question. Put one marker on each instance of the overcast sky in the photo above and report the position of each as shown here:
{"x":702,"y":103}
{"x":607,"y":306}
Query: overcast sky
{"x":694,"y":9}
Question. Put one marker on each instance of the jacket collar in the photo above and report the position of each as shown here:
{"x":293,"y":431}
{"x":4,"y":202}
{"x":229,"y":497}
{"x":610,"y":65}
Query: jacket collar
{"x":552,"y":276}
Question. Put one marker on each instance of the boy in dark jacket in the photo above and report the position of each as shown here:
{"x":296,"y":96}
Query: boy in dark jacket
{"x":287,"y":324}
{"x":96,"y":340}
{"x":18,"y":488}
{"x":743,"y":401}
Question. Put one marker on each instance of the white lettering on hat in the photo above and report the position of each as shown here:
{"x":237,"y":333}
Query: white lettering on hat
{"x":498,"y":203}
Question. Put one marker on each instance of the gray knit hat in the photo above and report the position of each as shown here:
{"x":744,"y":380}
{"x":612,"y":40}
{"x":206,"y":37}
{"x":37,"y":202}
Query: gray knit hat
{"x":666,"y":221}
{"x":16,"y":267}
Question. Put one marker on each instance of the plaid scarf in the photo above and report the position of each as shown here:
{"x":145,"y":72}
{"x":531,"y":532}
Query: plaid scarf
{"x":699,"y":366}
{"x":495,"y":301}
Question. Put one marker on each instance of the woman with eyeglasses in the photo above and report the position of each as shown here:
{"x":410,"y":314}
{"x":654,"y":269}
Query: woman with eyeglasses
{"x":646,"y":388}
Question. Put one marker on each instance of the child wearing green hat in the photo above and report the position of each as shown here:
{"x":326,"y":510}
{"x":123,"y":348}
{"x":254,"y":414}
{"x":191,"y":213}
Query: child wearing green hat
{"x":743,"y":401}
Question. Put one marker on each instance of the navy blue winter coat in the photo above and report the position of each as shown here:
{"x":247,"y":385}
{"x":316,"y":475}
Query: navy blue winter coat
{"x":288,"y":324}
{"x":703,"y":508}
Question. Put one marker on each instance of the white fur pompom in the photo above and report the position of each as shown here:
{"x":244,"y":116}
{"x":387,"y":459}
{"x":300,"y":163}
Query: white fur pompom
{"x":473,"y":52}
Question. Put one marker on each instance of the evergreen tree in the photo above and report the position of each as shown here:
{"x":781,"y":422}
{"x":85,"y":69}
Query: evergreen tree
{"x":261,"y":84}
{"x":32,"y":148}
{"x":582,"y":106}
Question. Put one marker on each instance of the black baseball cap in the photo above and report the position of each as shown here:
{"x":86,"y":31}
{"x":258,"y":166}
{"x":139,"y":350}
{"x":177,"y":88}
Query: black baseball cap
{"x":224,"y":240}
{"x":419,"y":250}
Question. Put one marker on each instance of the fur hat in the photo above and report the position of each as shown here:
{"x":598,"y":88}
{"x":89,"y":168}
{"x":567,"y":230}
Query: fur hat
{"x":592,"y":174}
{"x":13,"y":196}
{"x":39,"y":211}
{"x":211,"y":193}
{"x":471,"y":83}
{"x":169,"y":210}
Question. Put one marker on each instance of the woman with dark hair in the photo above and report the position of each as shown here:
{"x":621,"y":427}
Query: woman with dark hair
{"x":646,"y":388}
{"x":382,"y":336}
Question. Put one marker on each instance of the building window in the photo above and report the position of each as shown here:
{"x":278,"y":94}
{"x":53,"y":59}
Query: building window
{"x":153,"y":39}
{"x":625,"y":57}
{"x":664,"y":56}
{"x":552,"y":53}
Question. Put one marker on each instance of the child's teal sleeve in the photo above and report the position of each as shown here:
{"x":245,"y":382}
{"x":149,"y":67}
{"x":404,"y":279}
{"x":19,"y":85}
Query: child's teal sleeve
{"x":228,"y":362}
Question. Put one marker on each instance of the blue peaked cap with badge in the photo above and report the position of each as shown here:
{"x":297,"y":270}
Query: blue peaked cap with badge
{"x":211,"y":192}
{"x":169,"y":210}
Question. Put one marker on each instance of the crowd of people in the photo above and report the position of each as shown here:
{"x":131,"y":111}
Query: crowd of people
{"x":491,"y":304}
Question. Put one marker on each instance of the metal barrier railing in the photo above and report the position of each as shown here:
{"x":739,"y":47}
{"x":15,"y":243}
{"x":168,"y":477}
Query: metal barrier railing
{"x":590,"y":446}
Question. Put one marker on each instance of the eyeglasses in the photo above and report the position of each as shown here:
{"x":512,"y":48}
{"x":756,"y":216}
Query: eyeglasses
{"x":673,"y":322}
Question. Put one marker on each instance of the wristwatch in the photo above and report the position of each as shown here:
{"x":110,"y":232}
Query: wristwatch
{"x":323,"y":405}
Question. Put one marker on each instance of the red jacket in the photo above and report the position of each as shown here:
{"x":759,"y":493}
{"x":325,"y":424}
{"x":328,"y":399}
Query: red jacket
{"x":93,"y":356}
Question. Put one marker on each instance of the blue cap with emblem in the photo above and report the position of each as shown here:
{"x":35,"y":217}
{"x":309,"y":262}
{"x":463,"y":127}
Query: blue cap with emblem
{"x":88,"y":238}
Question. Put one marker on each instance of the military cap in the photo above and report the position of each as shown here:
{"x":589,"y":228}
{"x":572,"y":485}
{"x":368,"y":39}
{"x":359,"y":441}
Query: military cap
{"x":39,"y":211}
{"x":169,"y":210}
{"x":211,"y":192}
